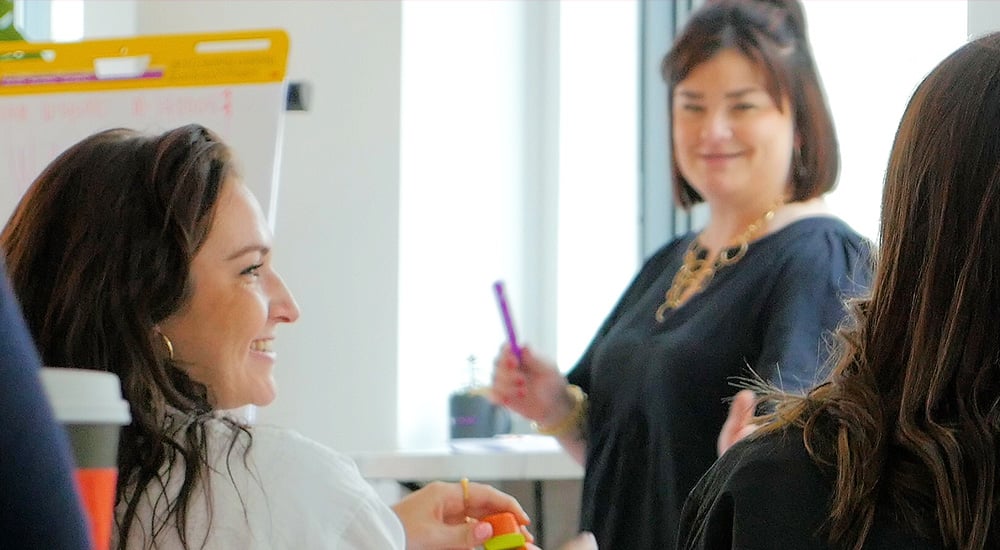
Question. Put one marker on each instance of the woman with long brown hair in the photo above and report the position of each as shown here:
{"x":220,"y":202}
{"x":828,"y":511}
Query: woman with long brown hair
{"x":900,"y":447}
{"x":146,"y":256}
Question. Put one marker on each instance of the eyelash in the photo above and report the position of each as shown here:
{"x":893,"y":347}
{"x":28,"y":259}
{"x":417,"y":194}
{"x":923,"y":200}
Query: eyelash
{"x":252,"y":270}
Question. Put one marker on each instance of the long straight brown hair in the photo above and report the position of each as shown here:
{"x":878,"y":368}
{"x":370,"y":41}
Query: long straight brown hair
{"x":909,"y":420}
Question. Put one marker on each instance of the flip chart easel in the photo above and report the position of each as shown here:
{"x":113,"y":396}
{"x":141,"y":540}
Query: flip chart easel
{"x":53,"y":95}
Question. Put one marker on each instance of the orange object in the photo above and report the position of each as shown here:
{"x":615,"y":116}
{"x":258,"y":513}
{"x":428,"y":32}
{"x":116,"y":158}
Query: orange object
{"x":97,"y":491}
{"x":506,"y":532}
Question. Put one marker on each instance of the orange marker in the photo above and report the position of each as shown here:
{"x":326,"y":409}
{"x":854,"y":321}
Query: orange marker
{"x":506,"y":533}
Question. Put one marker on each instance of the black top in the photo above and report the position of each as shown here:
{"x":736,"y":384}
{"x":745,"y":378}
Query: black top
{"x":767,"y":493}
{"x":39,"y":507}
{"x":658,"y":390}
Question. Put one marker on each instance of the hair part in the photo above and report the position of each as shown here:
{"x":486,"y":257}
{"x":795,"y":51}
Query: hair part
{"x":772,"y":35}
{"x":99,"y":251}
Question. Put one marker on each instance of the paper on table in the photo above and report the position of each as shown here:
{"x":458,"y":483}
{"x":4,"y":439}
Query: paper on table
{"x":509,"y":443}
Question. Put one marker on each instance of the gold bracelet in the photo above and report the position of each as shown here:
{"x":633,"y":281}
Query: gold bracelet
{"x":574,"y":419}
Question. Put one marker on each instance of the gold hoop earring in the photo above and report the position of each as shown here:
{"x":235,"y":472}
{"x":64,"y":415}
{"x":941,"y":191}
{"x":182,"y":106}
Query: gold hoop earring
{"x":169,"y":344}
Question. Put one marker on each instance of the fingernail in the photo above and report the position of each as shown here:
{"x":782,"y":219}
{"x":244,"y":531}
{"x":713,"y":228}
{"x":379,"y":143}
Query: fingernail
{"x":482,"y":531}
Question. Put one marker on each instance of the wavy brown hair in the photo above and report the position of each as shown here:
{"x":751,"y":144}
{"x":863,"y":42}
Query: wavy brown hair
{"x":99,"y":251}
{"x":772,"y":35}
{"x":909,"y":420}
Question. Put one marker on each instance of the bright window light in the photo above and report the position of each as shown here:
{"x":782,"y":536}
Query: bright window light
{"x":869,"y":79}
{"x":67,"y":20}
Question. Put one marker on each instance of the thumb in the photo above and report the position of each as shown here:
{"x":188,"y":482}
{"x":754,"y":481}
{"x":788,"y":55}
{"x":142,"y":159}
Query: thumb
{"x":737,"y":424}
{"x":465,"y":535}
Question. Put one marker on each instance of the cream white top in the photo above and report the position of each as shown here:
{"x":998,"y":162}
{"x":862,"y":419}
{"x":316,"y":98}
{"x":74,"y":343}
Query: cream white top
{"x":292,"y":493}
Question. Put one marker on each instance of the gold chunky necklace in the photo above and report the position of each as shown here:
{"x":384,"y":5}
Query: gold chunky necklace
{"x":697,"y":271}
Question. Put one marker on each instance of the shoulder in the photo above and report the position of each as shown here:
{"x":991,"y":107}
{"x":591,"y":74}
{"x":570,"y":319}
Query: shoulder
{"x":316,"y":496}
{"x":654,"y":266}
{"x":764,"y":488}
{"x":278,"y":457}
{"x":671,"y":251}
{"x":782,"y":453}
{"x":290,"y":455}
{"x":819,"y":236}
{"x":822,"y":250}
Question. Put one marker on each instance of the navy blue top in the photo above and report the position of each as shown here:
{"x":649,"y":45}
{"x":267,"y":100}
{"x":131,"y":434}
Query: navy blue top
{"x":39,"y":507}
{"x":658,"y":390}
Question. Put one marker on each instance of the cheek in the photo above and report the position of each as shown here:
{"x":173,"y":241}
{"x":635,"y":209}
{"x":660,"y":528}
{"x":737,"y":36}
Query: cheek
{"x":780,"y":145}
{"x":685,"y":134}
{"x":777,"y":134}
{"x":243,"y":319}
{"x":225,"y":325}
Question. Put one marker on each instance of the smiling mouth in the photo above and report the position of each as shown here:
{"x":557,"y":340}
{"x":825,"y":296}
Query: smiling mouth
{"x":261,"y":345}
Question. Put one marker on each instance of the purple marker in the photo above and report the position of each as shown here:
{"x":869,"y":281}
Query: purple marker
{"x":507,"y":323}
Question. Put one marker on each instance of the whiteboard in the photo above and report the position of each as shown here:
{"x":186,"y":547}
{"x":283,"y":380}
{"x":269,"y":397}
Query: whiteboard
{"x":47,"y":107}
{"x":37,"y":128}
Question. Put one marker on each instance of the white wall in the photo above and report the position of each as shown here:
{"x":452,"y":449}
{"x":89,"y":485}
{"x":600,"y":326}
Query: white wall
{"x":336,"y":232}
{"x":462,"y":184}
{"x":984,"y":17}
{"x":337,"y":226}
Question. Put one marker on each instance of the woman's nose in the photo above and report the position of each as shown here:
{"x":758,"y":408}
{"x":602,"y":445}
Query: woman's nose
{"x":717,"y":126}
{"x":284,"y":309}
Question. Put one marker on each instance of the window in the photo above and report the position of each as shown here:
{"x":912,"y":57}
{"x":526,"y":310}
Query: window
{"x":869,"y":78}
{"x":50,"y":20}
{"x":519,"y":136}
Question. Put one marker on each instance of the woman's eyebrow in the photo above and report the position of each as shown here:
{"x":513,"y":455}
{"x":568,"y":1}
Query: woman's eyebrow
{"x":691,"y":94}
{"x":688,"y":94}
{"x":264,"y":250}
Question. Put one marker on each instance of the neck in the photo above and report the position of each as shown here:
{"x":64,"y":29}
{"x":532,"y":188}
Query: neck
{"x":726,"y":226}
{"x":724,"y":229}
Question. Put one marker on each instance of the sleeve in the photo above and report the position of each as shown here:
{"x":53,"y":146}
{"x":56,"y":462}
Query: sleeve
{"x":374,"y":527}
{"x":807,"y":304}
{"x":651,"y":269}
{"x":39,"y":506}
{"x":321,"y":501}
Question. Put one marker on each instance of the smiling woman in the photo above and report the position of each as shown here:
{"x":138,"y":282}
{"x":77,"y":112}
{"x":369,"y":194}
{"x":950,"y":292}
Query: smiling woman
{"x":729,"y":132}
{"x":755,"y":293}
{"x":146,"y":256}
{"x":238,"y":299}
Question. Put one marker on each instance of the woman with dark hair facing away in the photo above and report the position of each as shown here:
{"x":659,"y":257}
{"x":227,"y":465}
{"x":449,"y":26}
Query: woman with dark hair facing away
{"x":900,"y":446}
{"x":756,"y":292}
{"x":147,"y":257}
